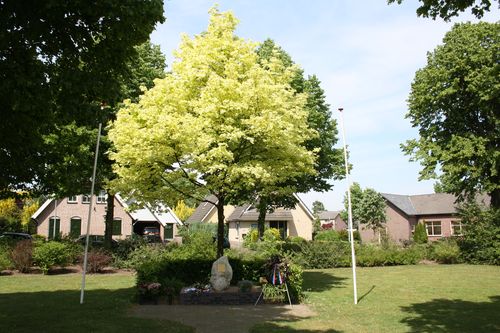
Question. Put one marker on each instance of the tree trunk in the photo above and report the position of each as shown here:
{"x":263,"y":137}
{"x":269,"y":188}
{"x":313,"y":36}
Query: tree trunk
{"x":261,"y":220}
{"x":495,"y":199}
{"x":110,"y":209}
{"x":220,"y":226}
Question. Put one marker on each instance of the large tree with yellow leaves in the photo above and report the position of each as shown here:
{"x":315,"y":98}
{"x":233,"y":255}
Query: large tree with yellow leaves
{"x":220,"y":122}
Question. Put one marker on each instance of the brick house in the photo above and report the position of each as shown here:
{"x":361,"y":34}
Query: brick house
{"x":241,"y":219}
{"x":331,"y":220}
{"x":437,"y":211}
{"x":69,"y":216}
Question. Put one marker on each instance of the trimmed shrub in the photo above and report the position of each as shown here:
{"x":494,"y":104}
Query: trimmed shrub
{"x":50,"y":254}
{"x":420,"y":234}
{"x":271,"y":235}
{"x":445,"y":251}
{"x":97,"y":260}
{"x":321,"y":254}
{"x":22,"y":256}
{"x":327,"y":236}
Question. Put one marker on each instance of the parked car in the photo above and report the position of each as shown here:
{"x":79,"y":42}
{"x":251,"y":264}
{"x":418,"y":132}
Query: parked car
{"x":15,"y":236}
{"x":151,"y":231}
{"x":95,"y":240}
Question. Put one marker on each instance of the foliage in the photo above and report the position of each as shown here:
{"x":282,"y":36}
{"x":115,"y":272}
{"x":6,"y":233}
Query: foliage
{"x":183,"y":211}
{"x":454,"y":103}
{"x":219,"y":122}
{"x":445,"y":251}
{"x":481,"y":240}
{"x":446,"y":9}
{"x":171,"y":285}
{"x":61,"y":61}
{"x":5,"y":259}
{"x":370,"y":255}
{"x":320,"y":254}
{"x":51,"y":254}
{"x":97,"y":260}
{"x":368,"y":207}
{"x":22,"y":255}
{"x":328,"y":236}
{"x":272,"y":235}
{"x":420,"y":234}
{"x":273,"y":294}
{"x":125,"y":247}
{"x":317,"y":208}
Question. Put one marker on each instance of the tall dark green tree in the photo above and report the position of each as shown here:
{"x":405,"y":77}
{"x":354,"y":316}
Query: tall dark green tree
{"x":454,"y":103}
{"x":447,"y":9}
{"x":60,"y":69}
{"x":329,"y":160}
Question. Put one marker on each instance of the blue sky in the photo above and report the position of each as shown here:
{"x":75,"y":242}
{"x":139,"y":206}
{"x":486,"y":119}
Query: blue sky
{"x":365,"y":53}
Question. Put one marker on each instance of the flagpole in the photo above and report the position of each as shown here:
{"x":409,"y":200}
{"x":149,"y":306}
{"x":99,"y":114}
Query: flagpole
{"x":349,"y":209}
{"x":90,"y":213}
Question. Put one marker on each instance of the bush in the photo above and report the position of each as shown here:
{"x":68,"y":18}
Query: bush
{"x":481,"y":240}
{"x":321,"y":254}
{"x":5,"y":260}
{"x":97,"y":260}
{"x":271,"y":235}
{"x":371,"y":255}
{"x":51,"y":254}
{"x":344,"y":235}
{"x":124,"y":249}
{"x":445,"y":251}
{"x":22,"y":255}
{"x":420,"y":234}
{"x":327,"y":236}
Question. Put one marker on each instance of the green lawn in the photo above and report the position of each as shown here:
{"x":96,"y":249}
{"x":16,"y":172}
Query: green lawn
{"x":423,"y":298}
{"x":51,"y":303}
{"x":434,"y":298}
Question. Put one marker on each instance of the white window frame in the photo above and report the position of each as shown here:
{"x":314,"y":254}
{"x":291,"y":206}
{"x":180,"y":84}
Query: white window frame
{"x":460,"y":225}
{"x":86,"y":199}
{"x":432,"y":224}
{"x":73,"y":199}
{"x":101,"y":197}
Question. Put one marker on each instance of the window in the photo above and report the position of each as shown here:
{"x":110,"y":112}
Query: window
{"x":433,"y":228}
{"x":281,"y":226}
{"x":86,"y":199}
{"x":75,"y":227}
{"x":72,"y":199}
{"x":117,"y":227}
{"x":457,"y":229}
{"x":254,"y":226}
{"x":101,"y":197}
{"x":54,"y":228}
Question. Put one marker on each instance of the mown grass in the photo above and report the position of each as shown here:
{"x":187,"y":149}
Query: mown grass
{"x":41,"y":303}
{"x":422,"y":298}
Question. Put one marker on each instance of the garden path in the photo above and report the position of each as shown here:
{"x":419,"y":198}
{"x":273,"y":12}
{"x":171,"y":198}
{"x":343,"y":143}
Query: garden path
{"x":223,"y":318}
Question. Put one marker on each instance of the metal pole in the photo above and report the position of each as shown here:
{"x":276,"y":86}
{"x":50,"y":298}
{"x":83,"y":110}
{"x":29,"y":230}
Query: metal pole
{"x":349,"y":210}
{"x":90,"y":213}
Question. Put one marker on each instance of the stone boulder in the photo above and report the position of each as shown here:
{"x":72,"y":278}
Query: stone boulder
{"x":222,"y":273}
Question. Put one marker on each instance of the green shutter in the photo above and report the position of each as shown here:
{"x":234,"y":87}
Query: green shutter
{"x":117,"y":227}
{"x":75,"y":227}
{"x":168,"y":231}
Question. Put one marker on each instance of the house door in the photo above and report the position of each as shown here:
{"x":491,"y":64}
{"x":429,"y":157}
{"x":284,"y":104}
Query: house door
{"x":54,"y":227}
{"x":281,"y":226}
{"x":75,"y":228}
{"x":168,"y":231}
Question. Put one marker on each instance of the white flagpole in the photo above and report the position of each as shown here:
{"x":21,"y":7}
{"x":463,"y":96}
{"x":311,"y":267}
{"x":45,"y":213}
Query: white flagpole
{"x":349,"y":209}
{"x":90,"y":213}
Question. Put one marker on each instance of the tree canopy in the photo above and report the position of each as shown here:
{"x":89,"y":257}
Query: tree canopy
{"x":60,"y":61}
{"x":454,"y":103}
{"x":368,"y":207}
{"x":220,"y":121}
{"x":447,"y":9}
{"x":317,"y":208}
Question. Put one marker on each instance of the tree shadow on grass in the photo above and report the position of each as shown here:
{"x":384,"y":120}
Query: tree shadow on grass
{"x":61,"y":311}
{"x":442,"y":315}
{"x":318,"y":281}
{"x":275,"y":328}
